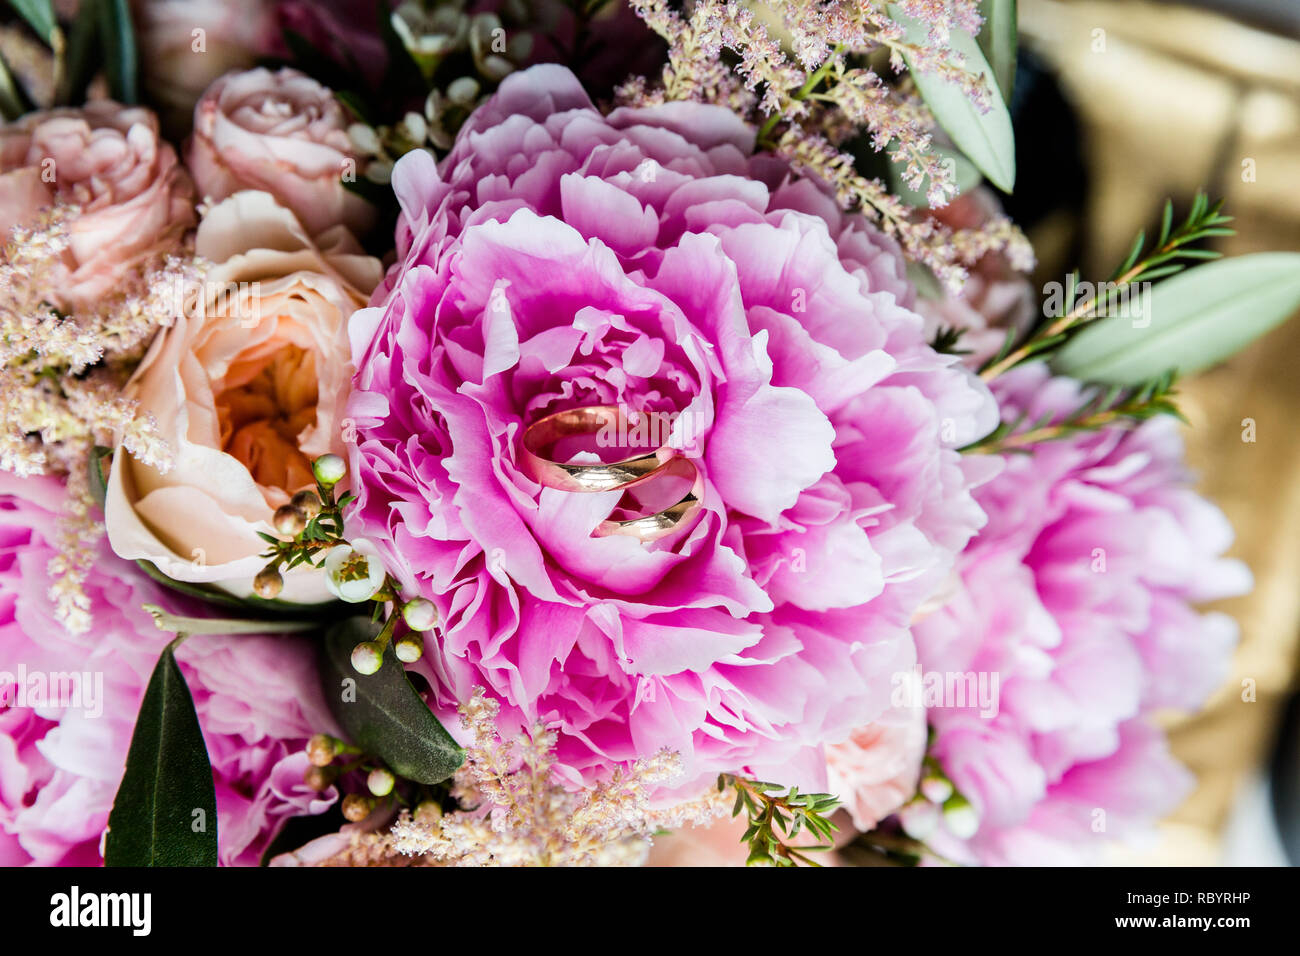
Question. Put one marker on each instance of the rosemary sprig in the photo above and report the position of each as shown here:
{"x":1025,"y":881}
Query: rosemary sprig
{"x":1103,"y":406}
{"x":321,"y":532}
{"x":1168,"y":255}
{"x":777,"y":816}
{"x":946,"y":340}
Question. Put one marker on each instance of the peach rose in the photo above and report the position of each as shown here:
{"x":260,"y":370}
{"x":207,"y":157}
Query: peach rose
{"x":247,"y":387}
{"x":133,"y":198}
{"x":284,"y":133}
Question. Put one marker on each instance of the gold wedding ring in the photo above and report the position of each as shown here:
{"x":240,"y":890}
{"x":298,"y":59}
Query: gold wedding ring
{"x":543,"y":434}
{"x":659,"y":525}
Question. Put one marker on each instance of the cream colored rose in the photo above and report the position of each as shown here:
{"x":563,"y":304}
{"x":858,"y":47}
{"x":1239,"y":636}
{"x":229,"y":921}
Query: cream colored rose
{"x":284,"y":133}
{"x":133,"y":199}
{"x":247,"y":387}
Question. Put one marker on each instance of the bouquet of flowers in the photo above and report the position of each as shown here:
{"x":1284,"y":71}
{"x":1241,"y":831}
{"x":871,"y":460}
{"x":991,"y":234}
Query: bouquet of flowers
{"x":475,"y":433}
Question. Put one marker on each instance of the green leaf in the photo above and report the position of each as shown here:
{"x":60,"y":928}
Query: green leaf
{"x":100,"y":458}
{"x":1190,"y":322}
{"x":214,"y":595}
{"x":987,"y":139}
{"x":39,"y":15}
{"x":165,"y":811}
{"x":927,"y":285}
{"x":226,"y":626}
{"x":84,"y":56}
{"x":120,"y":58}
{"x":14,"y":101}
{"x":998,"y":40}
{"x":382,"y":713}
{"x":403,"y":69}
{"x":305,"y":56}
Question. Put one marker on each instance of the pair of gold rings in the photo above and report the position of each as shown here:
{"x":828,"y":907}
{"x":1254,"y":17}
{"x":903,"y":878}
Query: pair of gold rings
{"x":542,"y":435}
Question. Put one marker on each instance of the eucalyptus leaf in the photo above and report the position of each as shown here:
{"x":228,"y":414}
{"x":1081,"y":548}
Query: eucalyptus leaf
{"x":382,"y":713}
{"x":998,"y":39}
{"x":120,"y":58}
{"x":987,"y":139}
{"x":1189,"y":322}
{"x":165,"y":811}
{"x":39,"y":15}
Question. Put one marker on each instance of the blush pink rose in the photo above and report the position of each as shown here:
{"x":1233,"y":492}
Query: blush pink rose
{"x":284,"y":133}
{"x":247,"y":387}
{"x":133,"y":199}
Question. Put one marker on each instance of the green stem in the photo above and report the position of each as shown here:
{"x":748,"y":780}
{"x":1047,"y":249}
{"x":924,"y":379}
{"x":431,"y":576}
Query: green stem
{"x":809,"y":84}
{"x":386,"y":634}
{"x":184,"y":627}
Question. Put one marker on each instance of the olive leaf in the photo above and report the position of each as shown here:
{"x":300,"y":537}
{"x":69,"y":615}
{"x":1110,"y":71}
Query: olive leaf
{"x":997,"y":40}
{"x":39,"y":15}
{"x":1188,"y":322}
{"x":382,"y":713}
{"x":165,"y":811}
{"x":986,"y":139}
{"x":121,"y":63}
{"x":14,"y":100}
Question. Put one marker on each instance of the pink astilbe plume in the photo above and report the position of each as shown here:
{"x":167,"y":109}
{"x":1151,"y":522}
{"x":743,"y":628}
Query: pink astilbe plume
{"x":809,"y":106}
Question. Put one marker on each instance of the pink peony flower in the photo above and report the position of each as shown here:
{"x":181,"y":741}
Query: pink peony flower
{"x":559,"y":258}
{"x":284,"y":133}
{"x":134,"y":199}
{"x":1077,"y":595}
{"x":257,"y":698}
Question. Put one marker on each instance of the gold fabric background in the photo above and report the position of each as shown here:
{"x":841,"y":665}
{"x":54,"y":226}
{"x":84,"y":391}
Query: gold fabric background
{"x":1177,"y":100}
